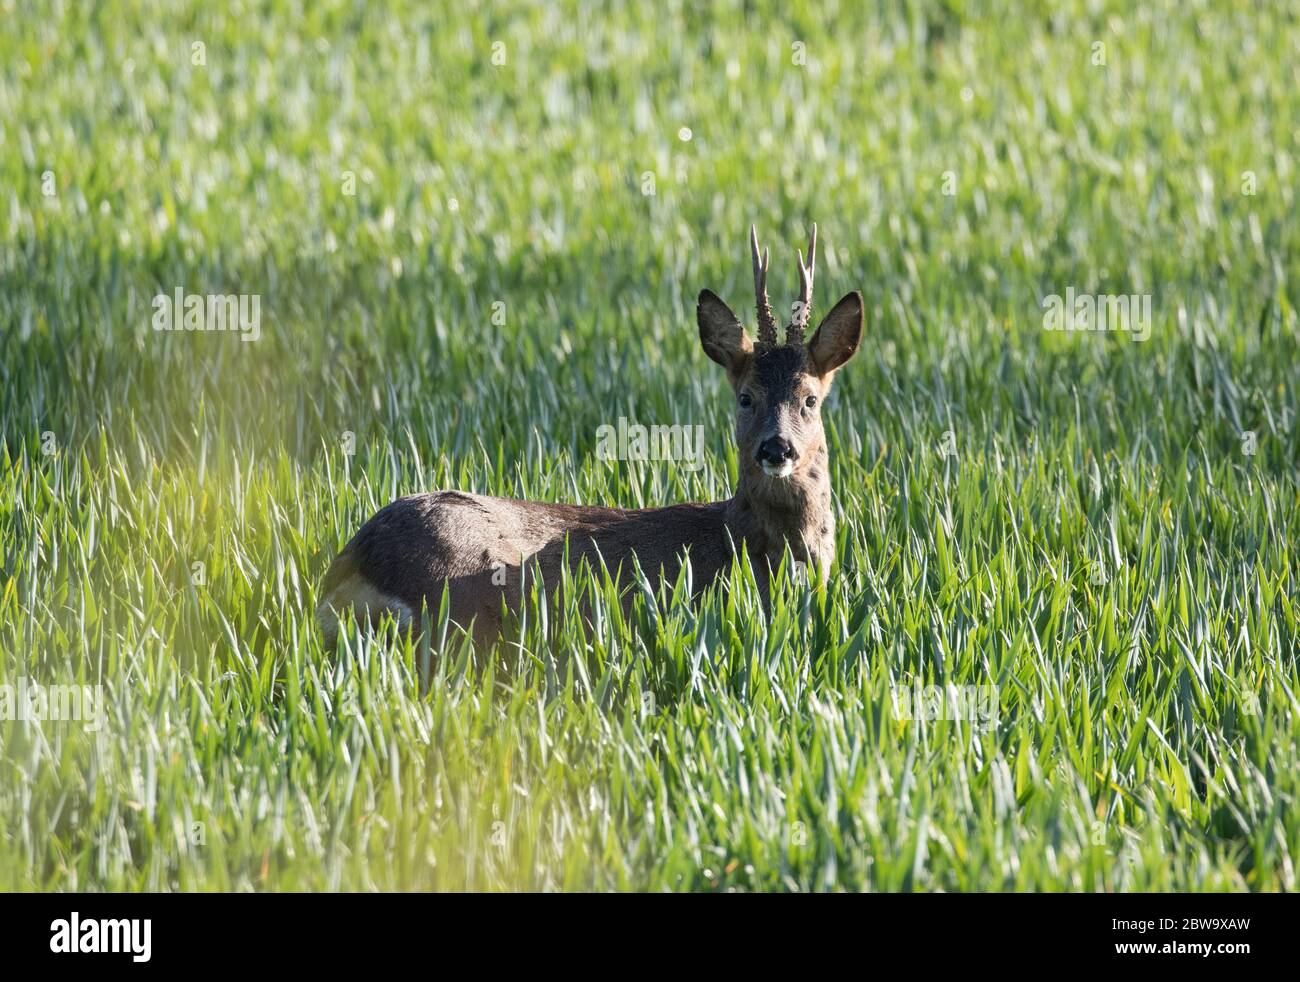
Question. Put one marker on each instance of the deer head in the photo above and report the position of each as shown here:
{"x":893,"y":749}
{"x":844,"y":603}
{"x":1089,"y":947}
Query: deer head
{"x":780,"y":387}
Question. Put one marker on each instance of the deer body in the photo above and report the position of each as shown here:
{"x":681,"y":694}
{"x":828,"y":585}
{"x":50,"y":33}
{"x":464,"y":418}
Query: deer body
{"x":485,"y":550}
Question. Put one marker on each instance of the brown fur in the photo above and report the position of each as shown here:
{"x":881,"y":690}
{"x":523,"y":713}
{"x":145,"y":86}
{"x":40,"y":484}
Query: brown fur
{"x":481,"y":550}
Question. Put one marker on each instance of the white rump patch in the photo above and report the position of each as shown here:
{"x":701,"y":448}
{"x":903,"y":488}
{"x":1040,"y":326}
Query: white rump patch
{"x":368,"y":602}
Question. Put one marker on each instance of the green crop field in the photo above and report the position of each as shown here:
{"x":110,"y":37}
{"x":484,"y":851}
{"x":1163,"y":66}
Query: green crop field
{"x":476,"y":235}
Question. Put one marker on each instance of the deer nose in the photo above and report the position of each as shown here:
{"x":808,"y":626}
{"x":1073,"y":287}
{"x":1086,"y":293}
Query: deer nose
{"x":776,"y":450}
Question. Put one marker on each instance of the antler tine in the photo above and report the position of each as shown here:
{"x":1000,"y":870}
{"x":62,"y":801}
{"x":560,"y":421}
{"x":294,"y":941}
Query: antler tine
{"x":766,"y":319}
{"x":803,"y":306}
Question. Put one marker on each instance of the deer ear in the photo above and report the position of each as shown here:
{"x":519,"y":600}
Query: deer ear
{"x":838,"y":335}
{"x":721,"y":334}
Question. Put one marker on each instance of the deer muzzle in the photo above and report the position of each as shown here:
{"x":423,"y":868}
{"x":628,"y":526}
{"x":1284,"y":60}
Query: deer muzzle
{"x":776,"y":455}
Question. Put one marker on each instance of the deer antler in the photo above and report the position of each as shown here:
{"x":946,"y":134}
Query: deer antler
{"x":766,"y":319}
{"x":801,"y":309}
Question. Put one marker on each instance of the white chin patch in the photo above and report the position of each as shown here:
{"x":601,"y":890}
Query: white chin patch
{"x":783,"y":469}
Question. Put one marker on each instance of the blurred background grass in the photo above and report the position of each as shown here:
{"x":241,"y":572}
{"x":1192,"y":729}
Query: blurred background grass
{"x":1100,"y":537}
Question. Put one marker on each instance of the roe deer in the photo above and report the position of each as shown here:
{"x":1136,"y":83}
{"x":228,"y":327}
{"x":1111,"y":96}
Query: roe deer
{"x":476,"y":547}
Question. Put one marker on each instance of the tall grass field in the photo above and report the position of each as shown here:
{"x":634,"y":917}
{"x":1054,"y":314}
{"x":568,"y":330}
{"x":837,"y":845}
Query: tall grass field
{"x":1058,"y":647}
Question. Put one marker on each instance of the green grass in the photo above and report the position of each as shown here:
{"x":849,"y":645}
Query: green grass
{"x":1100,"y":548}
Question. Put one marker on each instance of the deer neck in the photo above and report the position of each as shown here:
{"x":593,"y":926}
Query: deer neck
{"x":769,"y":514}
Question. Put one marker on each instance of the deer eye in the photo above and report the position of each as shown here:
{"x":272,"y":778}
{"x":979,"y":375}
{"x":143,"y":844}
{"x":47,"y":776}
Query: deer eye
{"x":811,"y":402}
{"x":746,"y":400}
